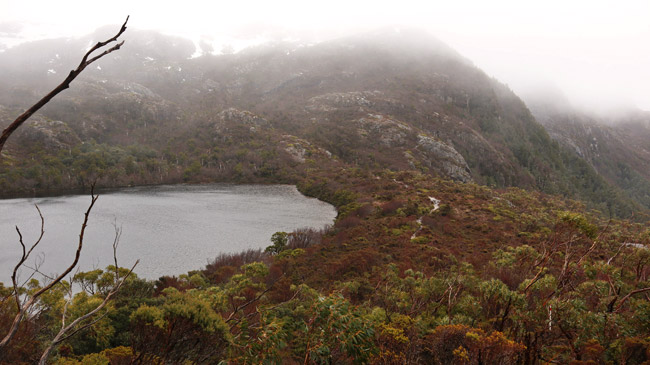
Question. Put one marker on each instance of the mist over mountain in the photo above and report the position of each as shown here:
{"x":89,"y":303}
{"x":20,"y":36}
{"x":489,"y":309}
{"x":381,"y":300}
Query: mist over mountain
{"x":394,"y":98}
{"x":616,"y":144}
{"x":472,"y":226}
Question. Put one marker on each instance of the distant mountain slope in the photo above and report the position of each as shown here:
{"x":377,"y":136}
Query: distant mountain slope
{"x":618,"y":147}
{"x":389,"y":99}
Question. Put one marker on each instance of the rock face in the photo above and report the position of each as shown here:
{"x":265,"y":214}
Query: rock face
{"x":334,"y":101}
{"x":232,"y":116}
{"x":46,"y":134}
{"x":380,"y":101}
{"x":138,"y":89}
{"x":618,"y":147}
{"x":300,"y":149}
{"x":445,"y":157}
{"x":387,"y":131}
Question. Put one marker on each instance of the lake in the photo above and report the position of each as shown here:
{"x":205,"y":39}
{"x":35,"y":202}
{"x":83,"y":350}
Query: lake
{"x":171,"y":229}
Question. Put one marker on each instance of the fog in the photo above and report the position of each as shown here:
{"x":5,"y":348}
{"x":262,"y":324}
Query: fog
{"x":596,"y":52}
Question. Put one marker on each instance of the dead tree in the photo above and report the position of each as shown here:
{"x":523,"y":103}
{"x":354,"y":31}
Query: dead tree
{"x":27,"y":302}
{"x":87,"y":59}
{"x":24,"y":307}
{"x":87,"y":320}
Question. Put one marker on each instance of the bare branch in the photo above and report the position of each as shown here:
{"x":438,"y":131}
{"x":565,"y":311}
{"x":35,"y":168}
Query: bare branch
{"x":85,"y":326}
{"x":116,"y":242}
{"x":30,"y":301}
{"x":85,"y":61}
{"x":36,"y":270}
{"x":22,"y":309}
{"x":61,"y":336}
{"x":593,"y":245}
{"x":79,"y":247}
{"x":25,"y":255}
{"x":625,"y":298}
{"x":255,"y":299}
{"x":40,"y":237}
{"x":20,"y":262}
{"x":609,"y":261}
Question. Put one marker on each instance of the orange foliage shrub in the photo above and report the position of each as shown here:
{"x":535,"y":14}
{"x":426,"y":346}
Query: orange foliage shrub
{"x":460,"y":344}
{"x":227,"y":264}
{"x":305,"y":237}
{"x":348,"y":222}
{"x":391,"y":207}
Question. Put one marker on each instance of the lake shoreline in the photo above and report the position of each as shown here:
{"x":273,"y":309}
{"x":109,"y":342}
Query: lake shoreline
{"x":53,"y":193}
{"x":172,"y":228}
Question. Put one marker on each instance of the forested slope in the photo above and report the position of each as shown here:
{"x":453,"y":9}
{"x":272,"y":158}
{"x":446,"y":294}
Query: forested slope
{"x":464,"y":234}
{"x":382,"y":100}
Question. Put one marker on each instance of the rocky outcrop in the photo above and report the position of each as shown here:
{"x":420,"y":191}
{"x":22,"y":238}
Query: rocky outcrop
{"x":445,"y":158}
{"x":300,"y":149}
{"x":46,"y":134}
{"x":385,"y":130}
{"x":241,"y":117}
{"x":335,"y":101}
{"x":232,"y":116}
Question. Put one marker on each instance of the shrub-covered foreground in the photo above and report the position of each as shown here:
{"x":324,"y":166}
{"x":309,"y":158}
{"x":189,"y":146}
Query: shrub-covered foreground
{"x":415,"y":270}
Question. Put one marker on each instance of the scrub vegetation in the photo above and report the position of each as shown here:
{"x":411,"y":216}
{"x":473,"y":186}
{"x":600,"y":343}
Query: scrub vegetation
{"x":465,"y":234}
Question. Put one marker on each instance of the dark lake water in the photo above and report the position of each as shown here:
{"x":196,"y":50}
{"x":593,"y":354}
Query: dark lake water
{"x":171,"y":229}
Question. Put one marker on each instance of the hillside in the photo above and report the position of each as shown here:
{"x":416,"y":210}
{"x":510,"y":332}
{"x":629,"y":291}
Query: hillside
{"x":465,"y":233}
{"x":415,"y":270}
{"x":616,"y":146}
{"x":397,"y":100}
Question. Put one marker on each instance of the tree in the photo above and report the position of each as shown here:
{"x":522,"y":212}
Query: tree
{"x":184,"y":327}
{"x":279,"y":240}
{"x":27,"y":300}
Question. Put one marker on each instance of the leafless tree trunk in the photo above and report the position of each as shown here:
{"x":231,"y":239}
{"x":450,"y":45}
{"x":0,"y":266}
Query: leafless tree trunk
{"x":23,"y":307}
{"x":77,"y":325}
{"x":87,"y":59}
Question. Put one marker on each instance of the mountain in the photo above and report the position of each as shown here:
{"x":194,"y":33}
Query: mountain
{"x":458,"y":237}
{"x":616,"y":145}
{"x":395,"y":99}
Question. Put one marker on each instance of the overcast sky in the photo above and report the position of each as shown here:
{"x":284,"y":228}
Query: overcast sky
{"x":595,"y":51}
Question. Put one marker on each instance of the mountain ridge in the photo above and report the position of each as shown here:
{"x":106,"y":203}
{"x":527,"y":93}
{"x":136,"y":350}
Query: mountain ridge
{"x":432,"y":108}
{"x":434,"y":257}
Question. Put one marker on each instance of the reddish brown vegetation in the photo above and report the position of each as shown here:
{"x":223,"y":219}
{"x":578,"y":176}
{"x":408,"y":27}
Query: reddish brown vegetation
{"x":227,"y":264}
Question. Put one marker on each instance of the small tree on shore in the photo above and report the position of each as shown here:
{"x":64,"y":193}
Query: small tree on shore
{"x":279,"y":240}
